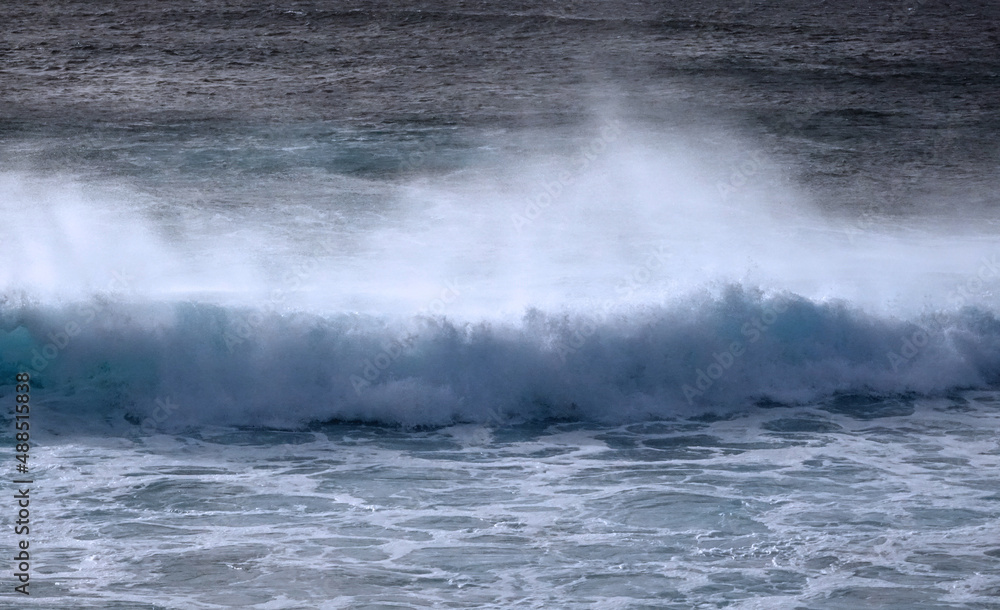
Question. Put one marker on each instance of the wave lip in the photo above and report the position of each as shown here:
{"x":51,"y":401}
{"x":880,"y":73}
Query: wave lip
{"x":172,"y":366}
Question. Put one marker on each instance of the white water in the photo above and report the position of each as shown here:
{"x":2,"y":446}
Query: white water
{"x":617,"y":280}
{"x":622,"y":218}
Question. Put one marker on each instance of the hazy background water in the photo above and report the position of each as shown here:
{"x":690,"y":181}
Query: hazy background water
{"x":879,"y":104}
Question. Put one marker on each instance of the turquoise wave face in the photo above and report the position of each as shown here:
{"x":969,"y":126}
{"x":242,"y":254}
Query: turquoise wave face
{"x":184,"y":364}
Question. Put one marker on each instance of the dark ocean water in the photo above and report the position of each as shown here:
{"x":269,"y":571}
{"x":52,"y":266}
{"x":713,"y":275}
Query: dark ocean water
{"x":533,"y":305}
{"x":856,"y":95}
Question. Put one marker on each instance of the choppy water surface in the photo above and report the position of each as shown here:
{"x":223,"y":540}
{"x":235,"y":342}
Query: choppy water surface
{"x":851,"y":503}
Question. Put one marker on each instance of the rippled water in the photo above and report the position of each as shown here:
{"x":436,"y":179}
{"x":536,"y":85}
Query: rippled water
{"x":852,"y":503}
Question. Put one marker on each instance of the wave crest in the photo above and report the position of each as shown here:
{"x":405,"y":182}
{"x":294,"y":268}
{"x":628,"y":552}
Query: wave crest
{"x":171,"y":366}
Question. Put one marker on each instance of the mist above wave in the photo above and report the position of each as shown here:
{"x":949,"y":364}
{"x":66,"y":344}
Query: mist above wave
{"x":615,"y":217}
{"x":614,"y":276}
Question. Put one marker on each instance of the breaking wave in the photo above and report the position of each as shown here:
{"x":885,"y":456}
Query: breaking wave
{"x":172,"y":366}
